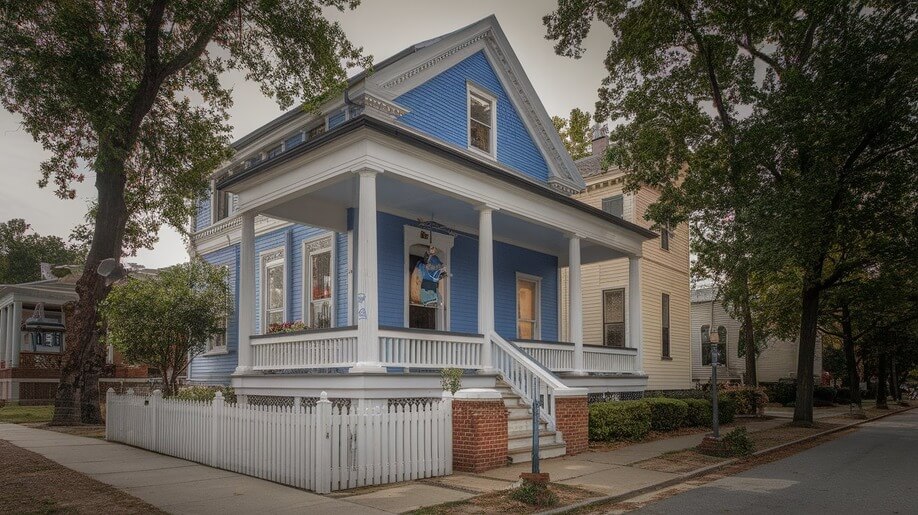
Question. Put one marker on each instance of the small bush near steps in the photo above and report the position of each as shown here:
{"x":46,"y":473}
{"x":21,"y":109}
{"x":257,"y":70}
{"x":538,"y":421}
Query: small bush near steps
{"x":699,"y":413}
{"x":619,"y":420}
{"x":735,"y":443}
{"x":534,"y":494}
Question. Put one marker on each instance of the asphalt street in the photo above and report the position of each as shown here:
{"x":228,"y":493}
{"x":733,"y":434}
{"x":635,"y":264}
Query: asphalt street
{"x":872,"y":470}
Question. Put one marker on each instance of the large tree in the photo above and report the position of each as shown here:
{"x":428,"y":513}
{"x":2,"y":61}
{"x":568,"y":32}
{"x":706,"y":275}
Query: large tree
{"x":22,"y":251}
{"x":574,"y":132}
{"x":132,"y":90}
{"x":794,"y":121}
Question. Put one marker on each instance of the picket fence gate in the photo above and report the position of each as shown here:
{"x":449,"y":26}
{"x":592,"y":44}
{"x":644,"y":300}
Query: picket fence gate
{"x":320,"y":448}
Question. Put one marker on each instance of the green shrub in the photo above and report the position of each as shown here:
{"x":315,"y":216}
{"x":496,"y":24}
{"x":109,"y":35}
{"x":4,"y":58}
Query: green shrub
{"x":738,"y":442}
{"x":666,"y":414}
{"x":206,"y":393}
{"x":726,"y":409}
{"x":826,"y":394}
{"x":619,"y":420}
{"x":749,"y":400}
{"x":699,"y":412}
{"x":451,"y":379}
{"x":534,"y":494}
{"x":783,"y":392}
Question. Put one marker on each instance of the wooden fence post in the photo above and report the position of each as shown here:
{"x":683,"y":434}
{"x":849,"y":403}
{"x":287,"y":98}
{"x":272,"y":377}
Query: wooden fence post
{"x":156,"y":402}
{"x":446,"y":408}
{"x":323,"y":444}
{"x":109,"y":414}
{"x":216,"y":423}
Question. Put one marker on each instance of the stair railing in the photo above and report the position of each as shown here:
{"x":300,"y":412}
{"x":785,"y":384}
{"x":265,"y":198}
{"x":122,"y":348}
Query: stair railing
{"x":528,"y":378}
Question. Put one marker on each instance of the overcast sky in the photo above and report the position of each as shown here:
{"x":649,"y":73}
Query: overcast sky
{"x":382,"y":27}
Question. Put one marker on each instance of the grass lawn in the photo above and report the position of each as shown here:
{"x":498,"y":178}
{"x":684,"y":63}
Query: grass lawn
{"x":25,"y":414}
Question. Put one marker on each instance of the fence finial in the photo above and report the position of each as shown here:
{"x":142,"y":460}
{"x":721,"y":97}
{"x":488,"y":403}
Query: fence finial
{"x":130,"y":391}
{"x":323,"y":396}
{"x":447,"y":394}
{"x":110,"y":391}
{"x":157,"y":393}
{"x":218,"y":395}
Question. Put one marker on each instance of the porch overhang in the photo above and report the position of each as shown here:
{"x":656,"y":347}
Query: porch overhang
{"x":315,"y":184}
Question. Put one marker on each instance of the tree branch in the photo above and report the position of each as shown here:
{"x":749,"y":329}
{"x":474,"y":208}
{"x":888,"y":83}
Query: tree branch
{"x":762,"y":56}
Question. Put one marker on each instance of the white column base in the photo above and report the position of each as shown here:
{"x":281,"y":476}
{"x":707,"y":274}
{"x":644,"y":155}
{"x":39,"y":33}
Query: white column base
{"x":241,"y":370}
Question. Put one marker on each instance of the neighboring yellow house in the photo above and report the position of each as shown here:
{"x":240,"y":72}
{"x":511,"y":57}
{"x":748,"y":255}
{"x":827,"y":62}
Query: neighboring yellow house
{"x":664,"y":279}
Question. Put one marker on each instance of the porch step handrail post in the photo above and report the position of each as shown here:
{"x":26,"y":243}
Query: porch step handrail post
{"x":635,"y":323}
{"x":246,"y":292}
{"x":575,"y":302}
{"x":486,"y":282}
{"x":367,"y":281}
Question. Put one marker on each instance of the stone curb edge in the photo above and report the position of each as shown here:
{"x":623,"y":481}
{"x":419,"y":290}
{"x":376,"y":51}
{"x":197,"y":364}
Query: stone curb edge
{"x":704,"y":470}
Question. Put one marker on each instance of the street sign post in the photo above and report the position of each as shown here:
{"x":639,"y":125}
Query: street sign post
{"x":715,"y":357}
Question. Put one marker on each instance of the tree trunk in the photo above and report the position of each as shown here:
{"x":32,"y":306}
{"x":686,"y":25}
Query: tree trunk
{"x":110,"y":220}
{"x":749,"y":344}
{"x":881,"y":379}
{"x":854,"y":379}
{"x":803,"y":407}
{"x":90,"y":395}
{"x":894,"y":380}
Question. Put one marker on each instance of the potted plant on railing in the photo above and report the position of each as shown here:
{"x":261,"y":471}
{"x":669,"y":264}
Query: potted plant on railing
{"x":288,"y":327}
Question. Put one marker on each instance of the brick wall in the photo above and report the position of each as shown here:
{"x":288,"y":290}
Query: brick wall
{"x":572,"y":418}
{"x":479,"y":434}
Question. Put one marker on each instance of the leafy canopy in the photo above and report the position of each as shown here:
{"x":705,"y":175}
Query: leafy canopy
{"x":134,"y":87}
{"x":22,"y":252}
{"x":574,"y":132}
{"x":160,"y":321}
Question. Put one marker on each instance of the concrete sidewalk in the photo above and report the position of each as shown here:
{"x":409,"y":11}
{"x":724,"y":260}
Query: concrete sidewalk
{"x":179,"y":486}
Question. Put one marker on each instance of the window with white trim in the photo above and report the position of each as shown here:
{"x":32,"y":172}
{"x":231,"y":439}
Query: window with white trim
{"x":273,"y":273}
{"x":613,"y":317}
{"x":320,"y":283}
{"x":482,"y":118}
{"x":527,"y":307}
{"x":217,"y":342}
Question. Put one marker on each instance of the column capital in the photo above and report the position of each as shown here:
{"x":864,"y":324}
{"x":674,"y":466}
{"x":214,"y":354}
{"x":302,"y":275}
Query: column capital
{"x":485,"y":207}
{"x":573,"y":236}
{"x":367,"y":171}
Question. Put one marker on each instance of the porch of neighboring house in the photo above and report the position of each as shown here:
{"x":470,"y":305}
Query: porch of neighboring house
{"x":496,"y":316}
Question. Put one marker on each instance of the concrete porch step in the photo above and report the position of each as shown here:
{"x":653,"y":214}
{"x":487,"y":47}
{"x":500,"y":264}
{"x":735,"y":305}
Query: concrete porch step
{"x":519,"y":430}
{"x":523,"y":439}
{"x":524,"y":454}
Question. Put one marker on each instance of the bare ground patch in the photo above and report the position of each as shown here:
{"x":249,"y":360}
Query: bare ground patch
{"x":501,"y":502}
{"x":31,"y":483}
{"x":679,"y":462}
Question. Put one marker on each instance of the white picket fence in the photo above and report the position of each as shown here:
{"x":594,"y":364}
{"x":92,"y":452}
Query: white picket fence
{"x":318,"y":448}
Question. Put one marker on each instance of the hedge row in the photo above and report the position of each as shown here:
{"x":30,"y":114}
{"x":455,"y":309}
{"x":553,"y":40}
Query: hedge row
{"x":632,"y":420}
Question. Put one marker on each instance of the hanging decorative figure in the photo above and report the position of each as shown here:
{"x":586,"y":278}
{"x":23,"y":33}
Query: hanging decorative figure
{"x":425,"y":279}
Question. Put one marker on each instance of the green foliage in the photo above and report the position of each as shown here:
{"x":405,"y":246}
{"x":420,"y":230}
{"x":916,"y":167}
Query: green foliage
{"x":726,"y":409}
{"x":666,"y":414}
{"x":825,"y":394}
{"x":575,"y":133}
{"x":699,"y":413}
{"x":451,"y":379}
{"x":783,"y":392}
{"x":160,"y":321}
{"x":21,"y":252}
{"x":794,"y":179}
{"x":206,"y":393}
{"x":749,"y":400}
{"x":534,"y":494}
{"x":619,"y":420}
{"x":738,"y":442}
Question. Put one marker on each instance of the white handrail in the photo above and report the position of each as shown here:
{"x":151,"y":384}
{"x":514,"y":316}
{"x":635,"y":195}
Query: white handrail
{"x":528,"y":378}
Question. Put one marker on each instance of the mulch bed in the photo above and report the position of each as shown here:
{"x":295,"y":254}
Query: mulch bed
{"x":31,"y":483}
{"x":500,"y":502}
{"x":680,"y":462}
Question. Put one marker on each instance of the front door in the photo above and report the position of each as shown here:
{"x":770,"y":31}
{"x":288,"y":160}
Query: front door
{"x":527,"y":308}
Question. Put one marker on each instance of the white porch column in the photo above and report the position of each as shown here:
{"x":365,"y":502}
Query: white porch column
{"x":635,"y":323}
{"x":575,"y":303}
{"x":367,"y":282}
{"x":485,"y":282}
{"x":3,"y":336}
{"x":15,"y":333}
{"x":246,"y":306}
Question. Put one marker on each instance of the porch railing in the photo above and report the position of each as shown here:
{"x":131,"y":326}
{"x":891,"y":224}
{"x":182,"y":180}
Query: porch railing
{"x":330,"y":348}
{"x":422,"y":349}
{"x":559,"y":357}
{"x":528,"y":378}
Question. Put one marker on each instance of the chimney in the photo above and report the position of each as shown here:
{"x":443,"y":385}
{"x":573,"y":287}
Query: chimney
{"x":600,"y":139}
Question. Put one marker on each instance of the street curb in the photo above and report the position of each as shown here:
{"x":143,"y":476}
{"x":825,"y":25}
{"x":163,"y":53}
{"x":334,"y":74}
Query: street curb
{"x":705,"y":470}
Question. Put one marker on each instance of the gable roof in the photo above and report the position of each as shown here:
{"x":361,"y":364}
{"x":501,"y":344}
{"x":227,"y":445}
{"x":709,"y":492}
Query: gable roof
{"x":422,"y":61}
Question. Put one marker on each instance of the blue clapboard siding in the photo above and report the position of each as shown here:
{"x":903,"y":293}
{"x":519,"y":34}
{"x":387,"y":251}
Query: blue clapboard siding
{"x":463,"y":265}
{"x":510,"y":259}
{"x":439,"y":108}
{"x":216,"y":369}
{"x":202,"y":216}
{"x":342,"y":266}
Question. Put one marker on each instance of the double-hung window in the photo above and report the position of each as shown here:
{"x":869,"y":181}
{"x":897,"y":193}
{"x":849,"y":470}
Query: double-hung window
{"x":527,"y":307}
{"x":273,"y":272}
{"x":613,"y":317}
{"x":665,"y":326}
{"x":320,"y":284}
{"x":482,"y":110}
{"x":614,"y":205}
{"x":217,"y":343}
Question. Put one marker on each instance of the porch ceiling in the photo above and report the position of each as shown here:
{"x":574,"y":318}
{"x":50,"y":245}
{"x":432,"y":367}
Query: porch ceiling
{"x":327,"y":207}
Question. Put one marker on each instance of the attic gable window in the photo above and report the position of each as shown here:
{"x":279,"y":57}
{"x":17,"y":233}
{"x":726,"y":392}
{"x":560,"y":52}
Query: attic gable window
{"x":614,"y":205}
{"x":482,"y":113}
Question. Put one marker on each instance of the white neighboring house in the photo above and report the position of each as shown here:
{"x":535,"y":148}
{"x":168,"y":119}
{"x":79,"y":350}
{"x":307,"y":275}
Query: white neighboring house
{"x":777,"y":361}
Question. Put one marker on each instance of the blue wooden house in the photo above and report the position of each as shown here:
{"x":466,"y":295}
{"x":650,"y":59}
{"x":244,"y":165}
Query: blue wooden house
{"x":419,"y":222}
